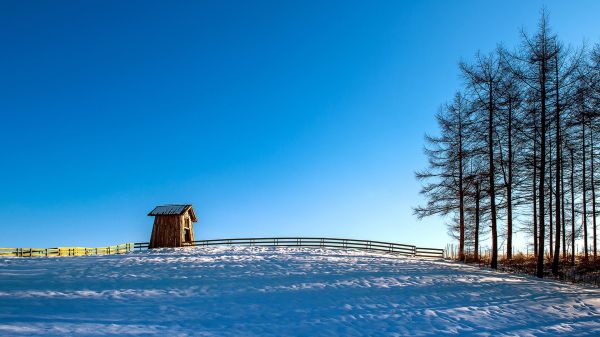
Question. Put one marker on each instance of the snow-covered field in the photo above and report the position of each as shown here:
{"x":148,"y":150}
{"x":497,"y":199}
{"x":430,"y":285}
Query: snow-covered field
{"x":234,"y":291}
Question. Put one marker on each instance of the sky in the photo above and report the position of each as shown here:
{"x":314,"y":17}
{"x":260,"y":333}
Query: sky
{"x":273,"y":118}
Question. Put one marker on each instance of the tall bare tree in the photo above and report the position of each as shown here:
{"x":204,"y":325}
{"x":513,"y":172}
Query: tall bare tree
{"x":483,"y":79}
{"x":444,"y":184}
{"x":520,"y":145}
{"x":532,"y":65}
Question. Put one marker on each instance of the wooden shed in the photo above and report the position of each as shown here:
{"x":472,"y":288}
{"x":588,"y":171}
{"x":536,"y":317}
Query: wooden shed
{"x":173,"y":225}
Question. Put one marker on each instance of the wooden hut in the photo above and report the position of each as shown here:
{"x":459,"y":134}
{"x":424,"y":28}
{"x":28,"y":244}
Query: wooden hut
{"x":172,"y":225}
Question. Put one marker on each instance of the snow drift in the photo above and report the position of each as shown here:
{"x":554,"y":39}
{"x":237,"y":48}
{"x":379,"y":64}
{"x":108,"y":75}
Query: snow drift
{"x":255,"y":291}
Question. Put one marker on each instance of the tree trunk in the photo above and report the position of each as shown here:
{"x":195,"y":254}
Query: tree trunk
{"x":534,"y":193}
{"x":584,"y":219}
{"x":562,"y":204}
{"x":550,"y":209}
{"x":509,"y":210}
{"x":557,"y":165}
{"x":540,"y":257}
{"x":477,"y":198}
{"x":572,"y":208}
{"x":592,"y":186}
{"x":494,"y":260}
{"x":461,"y":195}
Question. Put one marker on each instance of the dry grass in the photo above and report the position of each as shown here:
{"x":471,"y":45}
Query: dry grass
{"x":584,"y":271}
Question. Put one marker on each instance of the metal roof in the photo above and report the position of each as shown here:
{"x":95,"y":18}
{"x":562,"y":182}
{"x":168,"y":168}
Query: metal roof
{"x":173,"y":210}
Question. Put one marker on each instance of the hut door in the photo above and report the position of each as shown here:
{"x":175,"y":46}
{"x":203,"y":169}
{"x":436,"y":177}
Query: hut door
{"x":187,"y":233}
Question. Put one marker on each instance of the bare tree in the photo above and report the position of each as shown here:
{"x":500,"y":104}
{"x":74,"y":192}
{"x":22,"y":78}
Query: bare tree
{"x":509,"y":104}
{"x":520,"y":145}
{"x":444,"y":179}
{"x":483,"y":79}
{"x":532,"y":65}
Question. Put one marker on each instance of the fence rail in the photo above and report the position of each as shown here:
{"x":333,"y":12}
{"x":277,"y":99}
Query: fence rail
{"x":67,"y":251}
{"x":335,"y":243}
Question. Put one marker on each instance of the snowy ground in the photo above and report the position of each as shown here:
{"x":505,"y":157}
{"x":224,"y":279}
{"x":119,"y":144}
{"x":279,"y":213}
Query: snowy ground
{"x":228,"y":291}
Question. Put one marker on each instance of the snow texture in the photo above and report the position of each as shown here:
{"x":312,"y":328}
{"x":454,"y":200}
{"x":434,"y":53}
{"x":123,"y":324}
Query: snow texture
{"x":257,"y":291}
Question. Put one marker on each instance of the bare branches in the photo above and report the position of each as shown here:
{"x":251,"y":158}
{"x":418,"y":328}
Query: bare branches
{"x":521,"y":113}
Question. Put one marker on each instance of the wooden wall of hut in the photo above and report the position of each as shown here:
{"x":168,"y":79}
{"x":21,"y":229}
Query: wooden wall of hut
{"x":187,"y":221}
{"x":168,"y":230}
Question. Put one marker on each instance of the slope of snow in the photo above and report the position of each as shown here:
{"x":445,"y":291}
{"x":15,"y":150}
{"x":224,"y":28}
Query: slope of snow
{"x":253,"y":291}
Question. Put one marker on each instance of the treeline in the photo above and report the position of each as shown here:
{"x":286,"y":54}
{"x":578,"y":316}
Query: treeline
{"x":517,"y":150}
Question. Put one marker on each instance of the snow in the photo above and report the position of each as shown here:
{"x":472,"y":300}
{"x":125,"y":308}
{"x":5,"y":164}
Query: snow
{"x":256,"y":291}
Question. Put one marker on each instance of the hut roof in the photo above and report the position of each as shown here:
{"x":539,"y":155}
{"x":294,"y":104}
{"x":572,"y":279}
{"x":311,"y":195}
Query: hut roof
{"x":173,"y":210}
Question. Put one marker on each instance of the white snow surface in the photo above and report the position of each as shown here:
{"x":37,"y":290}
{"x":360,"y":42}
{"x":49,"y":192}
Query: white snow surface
{"x":258,"y":291}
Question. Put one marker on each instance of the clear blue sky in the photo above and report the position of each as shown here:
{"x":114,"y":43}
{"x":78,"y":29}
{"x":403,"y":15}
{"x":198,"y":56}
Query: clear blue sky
{"x":270,"y":117}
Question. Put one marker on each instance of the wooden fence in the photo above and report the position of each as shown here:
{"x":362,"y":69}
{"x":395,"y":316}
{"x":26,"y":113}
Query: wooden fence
{"x":67,"y":251}
{"x":335,"y":243}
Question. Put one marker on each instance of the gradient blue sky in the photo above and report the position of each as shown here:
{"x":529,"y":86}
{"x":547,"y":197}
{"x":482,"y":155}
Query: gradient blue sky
{"x":270,"y":117}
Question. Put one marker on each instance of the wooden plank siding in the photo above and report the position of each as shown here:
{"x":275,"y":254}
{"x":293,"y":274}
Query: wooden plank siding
{"x":169,"y":230}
